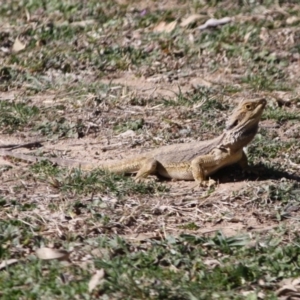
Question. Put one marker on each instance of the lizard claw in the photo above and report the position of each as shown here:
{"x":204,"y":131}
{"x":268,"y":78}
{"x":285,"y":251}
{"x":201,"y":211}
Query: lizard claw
{"x":138,"y":180}
{"x":206,"y":183}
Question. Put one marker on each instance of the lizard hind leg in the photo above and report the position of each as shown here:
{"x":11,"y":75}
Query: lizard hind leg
{"x":148,"y":167}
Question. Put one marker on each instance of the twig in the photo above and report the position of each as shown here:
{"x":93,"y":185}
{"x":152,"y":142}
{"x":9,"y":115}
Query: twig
{"x":10,"y":147}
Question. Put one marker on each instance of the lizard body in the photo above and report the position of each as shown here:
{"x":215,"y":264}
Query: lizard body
{"x":190,"y":161}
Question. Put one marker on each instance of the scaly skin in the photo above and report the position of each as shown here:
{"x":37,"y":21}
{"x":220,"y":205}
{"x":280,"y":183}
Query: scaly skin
{"x":192,"y":161}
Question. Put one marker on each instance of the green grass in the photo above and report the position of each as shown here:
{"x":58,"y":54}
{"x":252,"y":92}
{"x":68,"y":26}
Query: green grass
{"x":203,"y":95}
{"x":97,"y":181}
{"x":134,"y":125}
{"x":280,"y":115}
{"x":14,"y":115}
{"x":60,"y":128}
{"x":93,"y":69}
{"x":186,"y":267}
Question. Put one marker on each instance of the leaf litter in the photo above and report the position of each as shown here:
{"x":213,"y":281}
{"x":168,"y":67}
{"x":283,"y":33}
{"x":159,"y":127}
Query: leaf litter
{"x":182,"y":83}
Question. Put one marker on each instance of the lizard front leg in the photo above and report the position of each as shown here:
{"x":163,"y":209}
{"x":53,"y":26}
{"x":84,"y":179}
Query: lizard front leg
{"x":243,"y":162}
{"x":198,"y":168}
{"x":204,"y":165}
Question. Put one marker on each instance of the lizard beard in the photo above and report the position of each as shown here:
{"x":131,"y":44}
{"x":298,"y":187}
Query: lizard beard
{"x":243,"y":137}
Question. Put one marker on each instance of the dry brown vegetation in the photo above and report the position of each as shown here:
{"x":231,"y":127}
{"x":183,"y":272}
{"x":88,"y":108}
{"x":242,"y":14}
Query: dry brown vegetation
{"x":94,"y":81}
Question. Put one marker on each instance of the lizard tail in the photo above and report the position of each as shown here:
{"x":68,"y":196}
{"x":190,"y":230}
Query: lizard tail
{"x":122,"y":166}
{"x":58,"y":161}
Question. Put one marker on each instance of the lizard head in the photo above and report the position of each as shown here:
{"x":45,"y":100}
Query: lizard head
{"x":247,"y":115}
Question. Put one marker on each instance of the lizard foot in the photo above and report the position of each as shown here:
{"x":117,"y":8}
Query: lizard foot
{"x":211,"y":183}
{"x":206,"y":183}
{"x":139,"y":179}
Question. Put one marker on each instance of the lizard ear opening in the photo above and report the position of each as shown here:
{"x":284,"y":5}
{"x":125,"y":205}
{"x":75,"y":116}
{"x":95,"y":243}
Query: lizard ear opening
{"x":231,"y":125}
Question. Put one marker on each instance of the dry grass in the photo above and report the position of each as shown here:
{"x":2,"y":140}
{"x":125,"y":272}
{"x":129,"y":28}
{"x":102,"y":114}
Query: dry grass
{"x":96,"y":81}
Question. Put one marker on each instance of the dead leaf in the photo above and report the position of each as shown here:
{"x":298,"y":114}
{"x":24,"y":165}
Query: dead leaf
{"x":190,"y":19}
{"x":100,"y":253}
{"x":7,"y":262}
{"x":248,"y":294}
{"x":264,"y":34}
{"x":28,"y":17}
{"x":127,"y":133}
{"x":83,"y":23}
{"x":197,"y":82}
{"x":261,"y":295}
{"x":96,"y":279}
{"x":292,"y":20}
{"x":165,"y":27}
{"x":212,"y":262}
{"x":215,"y":23}
{"x":290,"y":287}
{"x":260,"y":9}
{"x":141,"y":236}
{"x":49,"y":253}
{"x":296,"y":281}
{"x":289,"y":281}
{"x":247,"y":36}
{"x":286,"y":289}
{"x":18,"y":45}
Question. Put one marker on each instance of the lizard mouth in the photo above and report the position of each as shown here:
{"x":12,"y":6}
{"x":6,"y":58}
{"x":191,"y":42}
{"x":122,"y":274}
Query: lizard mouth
{"x":259,"y":109}
{"x":262,"y":104}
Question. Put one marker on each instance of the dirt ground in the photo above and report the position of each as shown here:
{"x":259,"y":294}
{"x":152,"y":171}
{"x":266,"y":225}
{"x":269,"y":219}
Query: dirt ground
{"x":258,"y":201}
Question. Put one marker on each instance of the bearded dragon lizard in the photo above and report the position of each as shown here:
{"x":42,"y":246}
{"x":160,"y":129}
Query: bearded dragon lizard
{"x":190,"y":161}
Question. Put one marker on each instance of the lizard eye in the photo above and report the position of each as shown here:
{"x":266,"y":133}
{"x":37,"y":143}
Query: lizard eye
{"x":248,"y":106}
